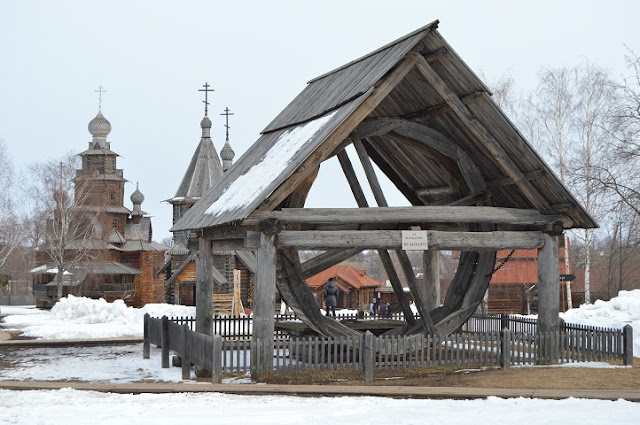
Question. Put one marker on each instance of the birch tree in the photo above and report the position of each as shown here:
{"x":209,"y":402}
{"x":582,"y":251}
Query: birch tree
{"x":68,"y":231}
{"x":553,"y":104}
{"x":10,"y":230}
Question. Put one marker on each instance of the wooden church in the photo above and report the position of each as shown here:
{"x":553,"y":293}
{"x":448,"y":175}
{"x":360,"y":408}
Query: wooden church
{"x":203,"y":172}
{"x":120,"y":259}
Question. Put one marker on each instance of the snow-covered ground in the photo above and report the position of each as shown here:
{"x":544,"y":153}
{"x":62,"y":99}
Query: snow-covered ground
{"x":74,"y":407}
{"x":82,"y":318}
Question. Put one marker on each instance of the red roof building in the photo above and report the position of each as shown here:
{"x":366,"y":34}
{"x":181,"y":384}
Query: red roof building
{"x":356,"y":288}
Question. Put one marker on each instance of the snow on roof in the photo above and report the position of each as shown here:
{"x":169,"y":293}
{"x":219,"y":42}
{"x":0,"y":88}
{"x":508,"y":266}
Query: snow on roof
{"x":248,"y":186}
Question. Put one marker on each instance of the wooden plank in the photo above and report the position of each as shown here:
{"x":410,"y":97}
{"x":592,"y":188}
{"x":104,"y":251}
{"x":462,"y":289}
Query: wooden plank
{"x":409,"y":215}
{"x":264,"y":299}
{"x":431,"y":278}
{"x":392,"y":239}
{"x":204,"y":288}
{"x":325,"y":260}
{"x":480,"y":132}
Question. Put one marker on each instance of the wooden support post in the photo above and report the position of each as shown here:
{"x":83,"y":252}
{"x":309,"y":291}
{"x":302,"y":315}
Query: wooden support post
{"x":548,"y":296}
{"x":264,"y":302}
{"x":368,"y":357}
{"x":627,"y":333}
{"x":431,"y":278}
{"x":505,"y":348}
{"x":146,"y":345}
{"x":204,"y":288}
{"x":216,"y":360}
{"x":165,"y":342}
{"x":184,"y":353}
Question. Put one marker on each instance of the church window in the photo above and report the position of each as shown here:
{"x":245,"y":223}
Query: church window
{"x":115,"y":223}
{"x":112,"y":195}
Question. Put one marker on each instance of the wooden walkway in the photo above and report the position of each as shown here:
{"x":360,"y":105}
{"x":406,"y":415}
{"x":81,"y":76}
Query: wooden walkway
{"x":327,"y":390}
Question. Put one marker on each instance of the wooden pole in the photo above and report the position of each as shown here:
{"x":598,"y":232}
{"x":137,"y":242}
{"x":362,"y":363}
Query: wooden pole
{"x":431,"y":278}
{"x":548,"y":298}
{"x":184,"y":354}
{"x":264,"y":302}
{"x":628,"y":345}
{"x":204,"y":288}
{"x":368,"y":357}
{"x":146,"y":345}
{"x":216,"y":361}
{"x":165,"y":342}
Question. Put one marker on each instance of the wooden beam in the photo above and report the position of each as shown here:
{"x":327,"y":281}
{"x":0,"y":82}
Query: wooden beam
{"x":385,"y":258}
{"x":506,"y":181}
{"x":392,"y":239}
{"x":409,"y":215}
{"x":377,"y":126}
{"x":204,"y":288}
{"x":325,"y":260}
{"x":384,"y":87}
{"x":434,"y":191}
{"x":264,"y":299}
{"x":548,"y":286}
{"x":248,"y":258}
{"x":481,"y":134}
{"x":431,"y":278}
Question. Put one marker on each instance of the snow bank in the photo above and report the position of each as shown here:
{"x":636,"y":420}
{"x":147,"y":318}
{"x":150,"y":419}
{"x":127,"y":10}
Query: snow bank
{"x":615,"y":313}
{"x":79,"y":317}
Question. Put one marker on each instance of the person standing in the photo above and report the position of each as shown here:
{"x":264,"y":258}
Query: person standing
{"x":331,"y":297}
{"x":373,"y":307}
{"x":382,"y":308}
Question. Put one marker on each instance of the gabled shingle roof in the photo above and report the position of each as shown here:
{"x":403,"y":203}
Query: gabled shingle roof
{"x":345,"y":276}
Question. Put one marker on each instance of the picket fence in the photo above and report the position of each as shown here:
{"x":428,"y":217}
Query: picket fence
{"x":462,"y":349}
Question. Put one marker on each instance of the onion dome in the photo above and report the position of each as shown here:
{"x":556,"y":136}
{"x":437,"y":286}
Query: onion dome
{"x":99,"y":126}
{"x":205,"y":124}
{"x":137,"y":198}
{"x":227,"y":154}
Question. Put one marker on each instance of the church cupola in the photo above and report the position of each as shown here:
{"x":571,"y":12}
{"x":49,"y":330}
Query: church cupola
{"x":227,"y":154}
{"x":137,"y":198}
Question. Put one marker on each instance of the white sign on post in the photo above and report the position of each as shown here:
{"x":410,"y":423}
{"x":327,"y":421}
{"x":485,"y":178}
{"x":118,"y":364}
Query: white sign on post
{"x":414,"y":240}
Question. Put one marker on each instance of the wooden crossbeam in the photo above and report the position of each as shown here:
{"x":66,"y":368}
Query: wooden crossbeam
{"x":481,"y":134}
{"x":409,"y":215}
{"x":392,"y":239}
{"x":325,"y":260}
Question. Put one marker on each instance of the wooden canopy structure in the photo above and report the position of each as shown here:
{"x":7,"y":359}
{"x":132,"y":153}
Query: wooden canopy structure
{"x":417,"y":111}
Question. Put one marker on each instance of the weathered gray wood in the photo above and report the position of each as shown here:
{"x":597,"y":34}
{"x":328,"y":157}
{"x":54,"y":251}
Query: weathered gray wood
{"x":483,"y":136}
{"x":627,"y":356}
{"x":264,"y":299}
{"x":505,"y":348}
{"x":548,"y":286}
{"x":431,"y":278}
{"x":165,"y":342}
{"x":184,"y":353}
{"x":204,"y":288}
{"x":248,"y":258}
{"x":409,"y":215}
{"x":368,"y":357}
{"x":216,"y":359}
{"x":361,"y":200}
{"x":392,"y":239}
{"x":146,"y":344}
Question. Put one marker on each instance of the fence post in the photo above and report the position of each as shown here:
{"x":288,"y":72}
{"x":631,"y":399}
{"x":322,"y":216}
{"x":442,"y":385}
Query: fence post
{"x":368,"y":357}
{"x":254,"y":358}
{"x":165,"y":342}
{"x":185,"y":357}
{"x":216,"y":360}
{"x":627,"y":333}
{"x":505,"y":348}
{"x":504,"y":321}
{"x":146,"y":345}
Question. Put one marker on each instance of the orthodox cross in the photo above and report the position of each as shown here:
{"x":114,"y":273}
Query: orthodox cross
{"x":100,"y":91}
{"x":226,"y":113}
{"x":206,"y":91}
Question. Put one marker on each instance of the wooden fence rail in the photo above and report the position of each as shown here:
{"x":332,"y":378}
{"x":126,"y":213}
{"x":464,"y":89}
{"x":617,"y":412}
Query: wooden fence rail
{"x":366,"y":353}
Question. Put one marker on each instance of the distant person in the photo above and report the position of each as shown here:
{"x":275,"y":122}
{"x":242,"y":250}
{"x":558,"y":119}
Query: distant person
{"x":389,"y":309}
{"x":382,"y":310}
{"x":331,"y":297}
{"x":373,"y":307}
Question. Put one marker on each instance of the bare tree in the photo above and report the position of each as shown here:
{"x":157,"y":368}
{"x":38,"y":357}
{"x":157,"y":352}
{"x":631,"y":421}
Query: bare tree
{"x":596,"y":97}
{"x":10,"y":230}
{"x":69,"y":230}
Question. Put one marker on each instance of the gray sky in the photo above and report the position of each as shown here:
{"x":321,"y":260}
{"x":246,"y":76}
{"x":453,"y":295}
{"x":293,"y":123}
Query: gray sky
{"x":153,"y":56}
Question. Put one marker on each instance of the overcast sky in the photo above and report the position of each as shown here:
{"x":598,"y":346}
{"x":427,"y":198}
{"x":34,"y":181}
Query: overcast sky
{"x":153,"y":56}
